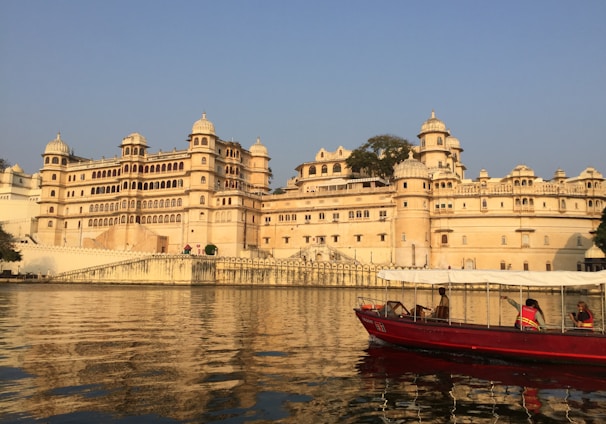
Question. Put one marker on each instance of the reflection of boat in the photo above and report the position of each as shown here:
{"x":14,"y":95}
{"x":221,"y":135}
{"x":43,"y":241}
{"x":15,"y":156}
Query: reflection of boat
{"x":392,"y":322}
{"x":394,"y":362}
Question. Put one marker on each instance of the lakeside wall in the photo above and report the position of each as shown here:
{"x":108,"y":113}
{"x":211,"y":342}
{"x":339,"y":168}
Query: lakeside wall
{"x":204,"y":270}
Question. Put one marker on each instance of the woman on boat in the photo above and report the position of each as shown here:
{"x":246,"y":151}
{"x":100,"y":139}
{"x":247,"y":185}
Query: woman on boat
{"x":530,"y":316}
{"x":583,"y":320}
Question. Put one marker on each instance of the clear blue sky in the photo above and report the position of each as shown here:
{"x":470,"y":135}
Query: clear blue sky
{"x":517,"y":82}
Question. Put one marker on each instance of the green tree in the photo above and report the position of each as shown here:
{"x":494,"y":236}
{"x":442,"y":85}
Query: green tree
{"x":4,"y":164}
{"x":7,"y":247}
{"x":377,"y":157}
{"x":211,"y":249}
{"x":600,"y":235}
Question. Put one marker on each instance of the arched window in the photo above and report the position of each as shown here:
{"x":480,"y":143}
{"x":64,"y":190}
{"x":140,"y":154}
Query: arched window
{"x":202,"y":200}
{"x":444,"y":238}
{"x":204,"y":141}
{"x":52,"y":193}
{"x":324,"y":169}
{"x":127,"y":151}
{"x":196,"y":141}
{"x":440,"y":141}
{"x":336,"y":168}
{"x":312,"y":170}
{"x":55,"y":161}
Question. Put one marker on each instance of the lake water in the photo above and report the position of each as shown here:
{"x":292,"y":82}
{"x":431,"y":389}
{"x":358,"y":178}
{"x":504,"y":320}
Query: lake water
{"x":130,"y":354}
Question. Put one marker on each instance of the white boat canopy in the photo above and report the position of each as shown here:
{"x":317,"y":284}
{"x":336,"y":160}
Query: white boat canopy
{"x":510,"y":278}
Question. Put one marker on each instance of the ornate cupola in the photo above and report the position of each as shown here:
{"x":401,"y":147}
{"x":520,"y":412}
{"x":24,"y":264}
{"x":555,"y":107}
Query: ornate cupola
{"x":438,"y":150}
{"x":134,"y":145}
{"x":202,"y":134}
{"x":56,"y":152}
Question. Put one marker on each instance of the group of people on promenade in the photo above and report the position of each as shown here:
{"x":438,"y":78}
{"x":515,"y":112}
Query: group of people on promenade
{"x":531,"y":317}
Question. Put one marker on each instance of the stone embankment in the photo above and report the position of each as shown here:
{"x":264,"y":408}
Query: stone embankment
{"x":204,"y":270}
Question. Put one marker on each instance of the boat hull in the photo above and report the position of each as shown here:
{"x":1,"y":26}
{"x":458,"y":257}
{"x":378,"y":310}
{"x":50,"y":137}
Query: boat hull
{"x":572,"y":347}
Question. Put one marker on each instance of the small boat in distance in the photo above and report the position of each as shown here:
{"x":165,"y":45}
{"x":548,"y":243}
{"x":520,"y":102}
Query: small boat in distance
{"x":392,"y":322}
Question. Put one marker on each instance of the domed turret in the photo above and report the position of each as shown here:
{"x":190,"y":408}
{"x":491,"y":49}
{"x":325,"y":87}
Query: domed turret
{"x":594,"y":252}
{"x":134,"y":139}
{"x":17,"y":168}
{"x":410,"y":168}
{"x":203,"y":126}
{"x":453,"y":142}
{"x":258,"y":149}
{"x":57,"y":147}
{"x":433,"y":124}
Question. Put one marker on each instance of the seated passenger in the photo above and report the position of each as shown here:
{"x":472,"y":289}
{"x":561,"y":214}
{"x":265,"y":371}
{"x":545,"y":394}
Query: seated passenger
{"x":583,"y":320}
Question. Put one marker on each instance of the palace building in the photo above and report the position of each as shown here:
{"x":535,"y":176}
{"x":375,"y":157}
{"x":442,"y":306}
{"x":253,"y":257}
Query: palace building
{"x":217,"y":192}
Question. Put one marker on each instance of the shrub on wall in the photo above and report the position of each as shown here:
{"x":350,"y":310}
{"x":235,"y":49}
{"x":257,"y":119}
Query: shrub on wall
{"x":210,"y":249}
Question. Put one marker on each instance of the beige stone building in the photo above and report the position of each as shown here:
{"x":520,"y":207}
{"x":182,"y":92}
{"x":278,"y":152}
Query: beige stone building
{"x":217,"y":192}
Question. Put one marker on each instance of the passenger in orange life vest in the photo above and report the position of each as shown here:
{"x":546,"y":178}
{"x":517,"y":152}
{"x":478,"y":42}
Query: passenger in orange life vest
{"x":530,"y":316}
{"x":583,"y":320}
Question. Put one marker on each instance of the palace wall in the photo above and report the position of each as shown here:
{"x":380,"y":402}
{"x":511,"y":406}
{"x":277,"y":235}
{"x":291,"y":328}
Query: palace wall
{"x":201,"y":270}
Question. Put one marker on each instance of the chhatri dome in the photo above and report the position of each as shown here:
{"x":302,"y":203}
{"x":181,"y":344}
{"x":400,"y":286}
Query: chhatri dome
{"x":203,"y":126}
{"x":134,"y":138}
{"x":57,"y":146}
{"x":433,"y":124}
{"x":410,"y":167}
{"x":258,"y":149}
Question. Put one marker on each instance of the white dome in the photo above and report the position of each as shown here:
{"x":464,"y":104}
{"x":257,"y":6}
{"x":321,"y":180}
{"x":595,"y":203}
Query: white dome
{"x":433,"y":124}
{"x":453,"y":142}
{"x":57,"y":146}
{"x":134,"y":138}
{"x":258,"y":149}
{"x":17,"y":168}
{"x":594,"y":252}
{"x":203,"y":126}
{"x":410,"y":167}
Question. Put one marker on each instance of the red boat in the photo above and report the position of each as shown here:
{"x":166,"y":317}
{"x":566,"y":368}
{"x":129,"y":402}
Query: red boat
{"x":391,"y":322}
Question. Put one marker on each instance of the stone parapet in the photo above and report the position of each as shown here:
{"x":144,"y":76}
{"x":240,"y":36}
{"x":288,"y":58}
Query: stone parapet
{"x":204,"y":270}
